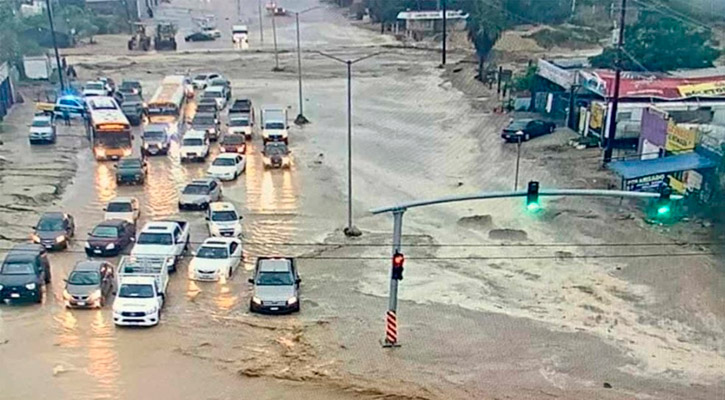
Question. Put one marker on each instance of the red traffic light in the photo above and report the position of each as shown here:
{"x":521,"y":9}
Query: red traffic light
{"x":398,"y":260}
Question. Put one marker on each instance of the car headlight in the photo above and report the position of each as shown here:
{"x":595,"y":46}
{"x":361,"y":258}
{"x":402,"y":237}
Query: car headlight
{"x":66,"y":295}
{"x":110,"y":246}
{"x":151,"y":310}
{"x":31,"y":286}
{"x":214,"y":230}
{"x":96,"y":295}
{"x":222,"y":149}
{"x":292,"y":300}
{"x":101,"y":152}
{"x":169,"y":261}
{"x":256,"y":300}
{"x":88,"y":245}
{"x":240,"y":149}
{"x":60,"y":239}
{"x":1,"y":287}
{"x":35,"y":238}
{"x":145,"y":145}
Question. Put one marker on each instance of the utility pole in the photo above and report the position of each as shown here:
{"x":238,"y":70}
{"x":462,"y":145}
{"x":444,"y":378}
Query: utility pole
{"x":55,"y":46}
{"x":350,"y":229}
{"x":445,"y":31}
{"x":261,"y":27}
{"x":617,"y":78}
{"x":301,"y":119}
{"x":274,"y":36}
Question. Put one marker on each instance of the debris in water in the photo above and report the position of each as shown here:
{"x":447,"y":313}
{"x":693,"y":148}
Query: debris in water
{"x":607,"y":385}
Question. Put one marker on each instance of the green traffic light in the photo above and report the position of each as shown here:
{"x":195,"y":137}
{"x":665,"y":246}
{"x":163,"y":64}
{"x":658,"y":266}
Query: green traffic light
{"x":533,"y":206}
{"x":663,"y":210}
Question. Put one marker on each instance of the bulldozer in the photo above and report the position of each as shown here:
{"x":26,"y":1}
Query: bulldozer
{"x":165,"y":36}
{"x":139,"y":40}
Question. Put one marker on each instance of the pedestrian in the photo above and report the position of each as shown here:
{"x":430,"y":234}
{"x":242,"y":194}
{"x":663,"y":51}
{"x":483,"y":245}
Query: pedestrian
{"x":64,"y":64}
{"x":72,"y":72}
{"x":150,"y":12}
{"x":66,"y":117}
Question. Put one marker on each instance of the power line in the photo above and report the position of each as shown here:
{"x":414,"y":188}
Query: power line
{"x":669,"y":12}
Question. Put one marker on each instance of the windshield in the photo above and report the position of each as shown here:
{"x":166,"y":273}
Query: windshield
{"x":213,"y":252}
{"x":203,"y":121}
{"x":239,"y":32}
{"x":154,"y":135}
{"x":41,"y":123}
{"x":213,"y":94}
{"x":239,"y":122}
{"x":274,"y":279}
{"x":275,"y":150}
{"x":94,"y":86}
{"x":224,"y":216}
{"x":105,"y":232}
{"x":119,"y":207}
{"x":224,"y":162}
{"x":12,"y":268}
{"x":129,"y":164}
{"x":50,"y":224}
{"x":132,"y":98}
{"x":136,"y":291}
{"x":233,"y":139}
{"x":84,"y":278}
{"x":193,"y":142}
{"x":114,"y":140}
{"x":196,"y":189}
{"x":130,"y":85}
{"x":200,"y":78}
{"x":159,"y":111}
{"x":518,"y":124}
{"x":274,"y":125}
{"x":155,"y":238}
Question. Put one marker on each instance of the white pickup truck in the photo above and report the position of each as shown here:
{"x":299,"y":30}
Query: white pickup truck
{"x":165,"y":239}
{"x":142,"y":283}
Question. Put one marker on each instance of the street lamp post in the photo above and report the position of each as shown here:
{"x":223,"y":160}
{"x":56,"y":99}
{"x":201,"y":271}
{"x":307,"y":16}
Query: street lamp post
{"x":55,"y":46}
{"x":274,"y":36}
{"x":350,"y":230}
{"x":261,"y":27}
{"x":519,"y":136}
{"x":301,"y":119}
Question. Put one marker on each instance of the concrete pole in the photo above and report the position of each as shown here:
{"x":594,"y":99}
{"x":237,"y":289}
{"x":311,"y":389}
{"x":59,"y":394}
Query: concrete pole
{"x":261,"y":27}
{"x":445,"y":31}
{"x":617,"y":79}
{"x":349,"y":146}
{"x":301,"y":119}
{"x":274,"y":36}
{"x":518,"y":158}
{"x":55,"y":46}
{"x":393,"y":298}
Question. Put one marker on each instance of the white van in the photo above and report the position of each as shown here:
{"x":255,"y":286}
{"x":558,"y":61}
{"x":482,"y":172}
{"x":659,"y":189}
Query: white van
{"x":274,"y":124}
{"x":194,"y":146}
{"x":240,"y":34}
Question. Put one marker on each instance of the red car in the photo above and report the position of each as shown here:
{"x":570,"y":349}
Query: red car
{"x":234,"y":144}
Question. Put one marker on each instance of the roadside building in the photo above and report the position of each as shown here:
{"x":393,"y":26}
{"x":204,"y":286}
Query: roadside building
{"x":133,"y":10}
{"x":7,"y":97}
{"x":418,"y":24}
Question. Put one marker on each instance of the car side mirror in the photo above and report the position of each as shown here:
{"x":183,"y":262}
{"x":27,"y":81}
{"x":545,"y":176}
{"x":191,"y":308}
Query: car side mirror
{"x":241,"y":218}
{"x":133,"y":137}
{"x":114,"y":292}
{"x":90,"y":233}
{"x":250,"y":280}
{"x":206,"y":218}
{"x":115,"y":166}
{"x":105,"y":209}
{"x":65,"y":280}
{"x":298,"y":280}
{"x":34,"y":227}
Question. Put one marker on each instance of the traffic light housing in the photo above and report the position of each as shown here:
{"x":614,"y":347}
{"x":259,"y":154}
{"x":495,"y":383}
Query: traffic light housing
{"x":398,"y":260}
{"x":663,"y":204}
{"x":532,"y":196}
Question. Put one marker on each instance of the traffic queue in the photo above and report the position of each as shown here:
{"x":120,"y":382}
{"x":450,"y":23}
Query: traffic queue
{"x":139,"y":282}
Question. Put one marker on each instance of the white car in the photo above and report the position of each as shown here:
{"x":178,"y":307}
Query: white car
{"x":194,"y":146}
{"x":227,"y":166}
{"x":124,"y":208}
{"x":216,"y":258}
{"x":200,"y":81}
{"x":95,"y":88}
{"x":42,"y":130}
{"x":220,"y":94}
{"x":223,"y":220}
{"x":211,"y":31}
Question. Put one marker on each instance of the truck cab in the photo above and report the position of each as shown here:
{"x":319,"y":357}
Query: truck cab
{"x":274,"y":125}
{"x":194,"y":146}
{"x":168,"y":240}
{"x":138,"y":302}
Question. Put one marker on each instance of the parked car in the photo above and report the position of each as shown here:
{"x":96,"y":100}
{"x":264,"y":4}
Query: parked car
{"x":208,"y":123}
{"x":73,"y":105}
{"x":233,"y":144}
{"x":54,"y":230}
{"x":24,"y":273}
{"x":227,"y":166}
{"x":131,"y":86}
{"x":199,"y":194}
{"x":276,"y":286}
{"x":194,"y":146}
{"x":131,"y":170}
{"x":110,"y":238}
{"x":276,"y":155}
{"x":94,"y":88}
{"x":199,"y":37}
{"x":529,"y":128}
{"x":223,"y":220}
{"x":200,"y":81}
{"x":125,"y":208}
{"x":89,"y":285}
{"x":42,"y":130}
{"x":216,"y":258}
{"x":211,"y":31}
{"x":156,"y":139}
{"x":165,"y":239}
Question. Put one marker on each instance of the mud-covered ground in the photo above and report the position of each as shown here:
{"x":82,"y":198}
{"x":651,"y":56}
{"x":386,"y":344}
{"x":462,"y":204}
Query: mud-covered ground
{"x":496,"y":303}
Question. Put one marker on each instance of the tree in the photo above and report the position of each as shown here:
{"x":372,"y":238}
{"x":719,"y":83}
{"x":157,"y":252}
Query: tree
{"x":486,"y":22}
{"x":661,"y":43}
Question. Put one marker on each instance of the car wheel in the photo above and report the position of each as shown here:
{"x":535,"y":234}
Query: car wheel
{"x":39,"y":297}
{"x":552,"y":128}
{"x":229,"y":274}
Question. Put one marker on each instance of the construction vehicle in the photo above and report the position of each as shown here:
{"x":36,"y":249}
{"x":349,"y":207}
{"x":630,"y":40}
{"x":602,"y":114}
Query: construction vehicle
{"x":165,"y":36}
{"x":139,"y":40}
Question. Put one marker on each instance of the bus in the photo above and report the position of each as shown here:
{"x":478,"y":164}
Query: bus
{"x":167,"y":105}
{"x":111,"y":136}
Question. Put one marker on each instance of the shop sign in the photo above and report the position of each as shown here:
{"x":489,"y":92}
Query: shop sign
{"x":703,"y":89}
{"x":596,"y":122}
{"x":680,"y":139}
{"x":645,"y":183}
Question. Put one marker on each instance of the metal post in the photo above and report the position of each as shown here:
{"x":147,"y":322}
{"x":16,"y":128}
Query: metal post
{"x":301,"y":119}
{"x":518,"y":157}
{"x":617,"y":78}
{"x":391,"y":331}
{"x":445,"y":32}
{"x":55,"y":46}
{"x":274,"y":36}
{"x":350,"y":230}
{"x":261,"y":27}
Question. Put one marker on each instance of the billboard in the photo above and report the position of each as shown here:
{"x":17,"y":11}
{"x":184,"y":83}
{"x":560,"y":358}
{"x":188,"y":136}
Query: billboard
{"x":680,"y":139}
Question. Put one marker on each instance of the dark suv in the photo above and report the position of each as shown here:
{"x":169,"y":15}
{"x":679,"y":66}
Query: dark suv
{"x":24,"y":272}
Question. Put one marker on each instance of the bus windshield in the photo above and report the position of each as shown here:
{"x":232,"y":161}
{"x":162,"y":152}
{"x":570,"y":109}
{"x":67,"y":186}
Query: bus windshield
{"x":114,"y":139}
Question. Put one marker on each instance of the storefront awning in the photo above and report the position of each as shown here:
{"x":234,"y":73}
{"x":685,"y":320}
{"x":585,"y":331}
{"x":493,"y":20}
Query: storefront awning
{"x":681,"y":162}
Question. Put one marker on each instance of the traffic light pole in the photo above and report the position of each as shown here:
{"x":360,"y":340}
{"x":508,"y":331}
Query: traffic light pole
{"x":391,"y":329}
